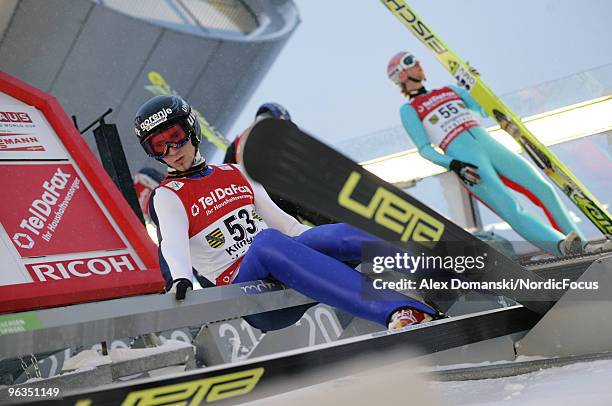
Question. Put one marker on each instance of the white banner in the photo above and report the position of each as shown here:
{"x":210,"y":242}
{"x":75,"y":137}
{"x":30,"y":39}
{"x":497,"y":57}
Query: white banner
{"x":26,"y":134}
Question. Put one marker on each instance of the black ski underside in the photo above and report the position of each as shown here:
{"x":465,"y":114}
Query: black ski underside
{"x":295,"y":165}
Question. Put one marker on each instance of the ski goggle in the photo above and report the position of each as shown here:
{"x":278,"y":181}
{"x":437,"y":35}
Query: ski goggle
{"x":406,"y":62}
{"x":157,"y":145}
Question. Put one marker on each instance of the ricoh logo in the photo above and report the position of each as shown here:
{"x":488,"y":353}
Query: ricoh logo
{"x":41,"y":209}
{"x":155,"y":119}
{"x":393,"y":213}
{"x":220,"y":196}
{"x":80,"y":268}
{"x":14,"y":117}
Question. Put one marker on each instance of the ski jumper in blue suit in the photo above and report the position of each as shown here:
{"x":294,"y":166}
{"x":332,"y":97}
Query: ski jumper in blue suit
{"x":311,"y":264}
{"x":442,"y":117}
{"x":245,"y":237}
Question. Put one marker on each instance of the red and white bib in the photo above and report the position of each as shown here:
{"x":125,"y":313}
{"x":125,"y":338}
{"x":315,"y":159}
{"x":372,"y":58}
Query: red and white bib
{"x":444,"y":115}
{"x":222,"y":220}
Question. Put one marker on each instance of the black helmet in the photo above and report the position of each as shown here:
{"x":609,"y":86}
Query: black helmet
{"x":272,"y":110}
{"x":163,"y":111}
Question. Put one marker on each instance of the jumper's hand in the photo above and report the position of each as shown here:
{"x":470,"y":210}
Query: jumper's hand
{"x":467,"y":172}
{"x":180,"y":288}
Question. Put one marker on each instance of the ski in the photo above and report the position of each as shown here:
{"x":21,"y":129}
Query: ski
{"x":506,"y":118}
{"x":293,"y":164}
{"x":282,"y":372}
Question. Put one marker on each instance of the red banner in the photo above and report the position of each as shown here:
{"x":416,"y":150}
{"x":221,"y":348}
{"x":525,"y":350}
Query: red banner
{"x":67,"y":235}
{"x":89,"y":268}
{"x":48,"y":210}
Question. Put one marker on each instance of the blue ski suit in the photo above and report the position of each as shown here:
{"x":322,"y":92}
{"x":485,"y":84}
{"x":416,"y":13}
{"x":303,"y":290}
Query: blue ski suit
{"x":309,"y":260}
{"x":311,"y":264}
{"x":442,"y":117}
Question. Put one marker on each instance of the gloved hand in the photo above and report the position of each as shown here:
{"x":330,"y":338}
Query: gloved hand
{"x":467,"y":172}
{"x":180,"y":288}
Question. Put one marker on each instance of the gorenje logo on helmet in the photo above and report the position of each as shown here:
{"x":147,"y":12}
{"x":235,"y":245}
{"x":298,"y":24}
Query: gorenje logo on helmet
{"x":191,"y":119}
{"x":155,"y":119}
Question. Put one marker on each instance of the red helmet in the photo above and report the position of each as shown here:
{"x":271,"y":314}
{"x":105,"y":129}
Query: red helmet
{"x":399,"y":62}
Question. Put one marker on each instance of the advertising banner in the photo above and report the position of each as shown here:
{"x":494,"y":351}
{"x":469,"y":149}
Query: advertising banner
{"x":85,"y":268}
{"x":67,"y":235}
{"x":50,"y":211}
{"x":26,"y":134}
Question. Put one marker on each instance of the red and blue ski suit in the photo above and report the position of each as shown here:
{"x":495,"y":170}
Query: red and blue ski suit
{"x":226,"y":227}
{"x":442,"y":117}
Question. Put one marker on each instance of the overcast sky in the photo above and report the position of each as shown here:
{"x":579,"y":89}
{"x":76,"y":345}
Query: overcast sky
{"x":331,"y":75}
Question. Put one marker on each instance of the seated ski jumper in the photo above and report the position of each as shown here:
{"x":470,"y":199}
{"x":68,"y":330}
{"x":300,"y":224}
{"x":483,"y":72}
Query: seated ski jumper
{"x":225,"y":226}
{"x":442,"y":117}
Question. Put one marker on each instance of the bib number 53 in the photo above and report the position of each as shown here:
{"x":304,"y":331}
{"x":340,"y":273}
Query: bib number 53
{"x":239,"y":225}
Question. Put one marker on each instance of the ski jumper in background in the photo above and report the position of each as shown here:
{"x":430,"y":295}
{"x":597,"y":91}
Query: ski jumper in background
{"x":302,"y":214}
{"x":216,"y":220}
{"x":443,"y":117}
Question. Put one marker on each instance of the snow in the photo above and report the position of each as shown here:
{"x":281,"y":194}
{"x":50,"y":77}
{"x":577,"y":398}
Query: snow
{"x":89,"y":359}
{"x":586,"y":383}
{"x":85,"y":360}
{"x":126,"y":354}
{"x":394,"y":384}
{"x":579,"y":384}
{"x":167,"y":370}
{"x":520,"y":358}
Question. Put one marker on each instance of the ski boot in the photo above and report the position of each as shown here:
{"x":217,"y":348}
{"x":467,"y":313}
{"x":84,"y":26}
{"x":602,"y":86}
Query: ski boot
{"x":571,"y":245}
{"x":407,"y":317}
